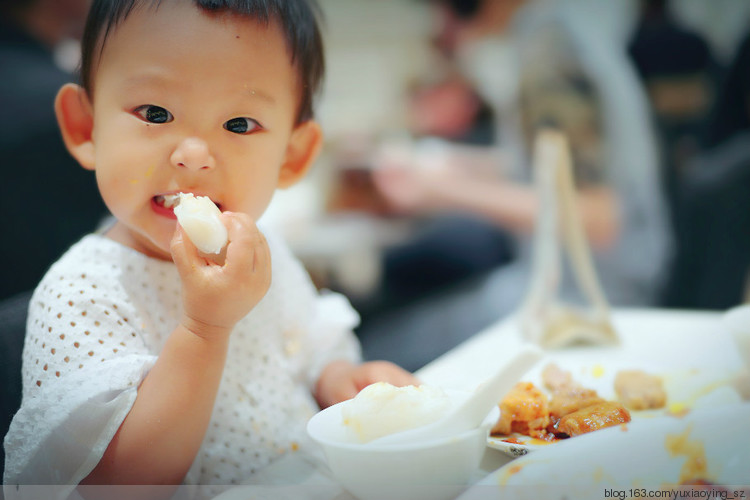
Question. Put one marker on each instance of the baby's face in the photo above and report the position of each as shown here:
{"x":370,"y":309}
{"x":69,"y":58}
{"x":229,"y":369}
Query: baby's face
{"x":186,"y":101}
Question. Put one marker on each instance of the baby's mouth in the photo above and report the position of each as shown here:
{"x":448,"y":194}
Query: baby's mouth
{"x":167,"y":200}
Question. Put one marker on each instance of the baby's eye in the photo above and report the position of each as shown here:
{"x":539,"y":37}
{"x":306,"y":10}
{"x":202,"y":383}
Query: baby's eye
{"x":241,"y":125}
{"x":154,"y":114}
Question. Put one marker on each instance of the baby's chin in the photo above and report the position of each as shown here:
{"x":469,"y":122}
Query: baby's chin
{"x":154,"y":246}
{"x":153,"y":241}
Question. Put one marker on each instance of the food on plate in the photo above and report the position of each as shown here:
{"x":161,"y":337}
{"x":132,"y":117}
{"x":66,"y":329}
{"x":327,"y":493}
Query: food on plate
{"x":524,"y":410}
{"x":571,"y":409}
{"x":694,"y":451}
{"x":555,"y":378}
{"x":571,"y":400}
{"x":639,"y":390}
{"x":381,"y":409}
{"x":592,"y":418}
{"x":566,"y":326}
{"x":568,"y":395}
{"x":201,"y":220}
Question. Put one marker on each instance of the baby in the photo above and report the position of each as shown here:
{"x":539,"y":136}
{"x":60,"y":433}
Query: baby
{"x":145,"y":361}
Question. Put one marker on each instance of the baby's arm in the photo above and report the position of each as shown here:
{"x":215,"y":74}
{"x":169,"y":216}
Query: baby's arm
{"x":159,"y":439}
{"x":341,"y":380}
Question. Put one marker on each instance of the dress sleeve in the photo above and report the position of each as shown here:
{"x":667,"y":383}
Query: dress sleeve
{"x":331,"y":334}
{"x":82,"y":363}
{"x":317,"y":326}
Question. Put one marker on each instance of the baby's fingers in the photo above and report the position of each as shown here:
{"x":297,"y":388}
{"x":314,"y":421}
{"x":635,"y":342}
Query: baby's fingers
{"x":383,"y":371}
{"x":184,"y":253}
{"x":248,"y":250}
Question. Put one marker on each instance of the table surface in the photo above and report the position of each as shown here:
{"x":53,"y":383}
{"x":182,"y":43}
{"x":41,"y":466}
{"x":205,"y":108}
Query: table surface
{"x":473,"y":361}
{"x":470,"y":363}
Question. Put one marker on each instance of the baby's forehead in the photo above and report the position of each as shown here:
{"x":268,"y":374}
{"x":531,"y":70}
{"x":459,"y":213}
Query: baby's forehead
{"x":292,"y":22}
{"x":175,"y":12}
{"x":166,"y":22}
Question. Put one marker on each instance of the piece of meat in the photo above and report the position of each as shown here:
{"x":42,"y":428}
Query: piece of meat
{"x":556,"y":379}
{"x":593,"y":418}
{"x":524,"y":410}
{"x":638,"y":390}
{"x":568,"y":401}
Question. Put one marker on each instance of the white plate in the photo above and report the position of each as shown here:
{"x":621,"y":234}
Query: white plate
{"x":694,"y":354}
{"x":639,"y":459}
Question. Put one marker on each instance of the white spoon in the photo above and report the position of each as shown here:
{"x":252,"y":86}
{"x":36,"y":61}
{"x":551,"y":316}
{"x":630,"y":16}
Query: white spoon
{"x":470,"y":414}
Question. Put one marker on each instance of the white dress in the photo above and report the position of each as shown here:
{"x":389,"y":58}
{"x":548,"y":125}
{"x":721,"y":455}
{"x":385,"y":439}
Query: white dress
{"x":96,"y":324}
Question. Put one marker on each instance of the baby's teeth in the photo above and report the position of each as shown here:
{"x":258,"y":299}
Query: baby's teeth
{"x":171,"y":200}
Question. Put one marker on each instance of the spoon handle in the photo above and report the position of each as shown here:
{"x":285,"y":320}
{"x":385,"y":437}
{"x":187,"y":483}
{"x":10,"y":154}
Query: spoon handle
{"x":490,"y":392}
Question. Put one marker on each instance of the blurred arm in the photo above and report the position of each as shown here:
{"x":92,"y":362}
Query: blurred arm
{"x":510,"y":205}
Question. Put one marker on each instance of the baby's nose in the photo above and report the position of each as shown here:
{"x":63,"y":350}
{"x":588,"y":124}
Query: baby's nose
{"x":192,"y":153}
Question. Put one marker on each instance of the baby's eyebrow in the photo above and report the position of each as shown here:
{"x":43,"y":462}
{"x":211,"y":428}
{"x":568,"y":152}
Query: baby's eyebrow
{"x":145,"y":80}
{"x":259,"y":94}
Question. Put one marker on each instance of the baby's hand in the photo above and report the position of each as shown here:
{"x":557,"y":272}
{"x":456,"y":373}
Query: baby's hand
{"x":341,"y":380}
{"x":215,"y":297}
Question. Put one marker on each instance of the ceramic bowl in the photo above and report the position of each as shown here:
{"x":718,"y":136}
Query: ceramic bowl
{"x":434,"y":469}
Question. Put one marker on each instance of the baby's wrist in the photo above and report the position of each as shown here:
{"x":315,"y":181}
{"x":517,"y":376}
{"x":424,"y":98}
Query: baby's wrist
{"x":206,"y":330}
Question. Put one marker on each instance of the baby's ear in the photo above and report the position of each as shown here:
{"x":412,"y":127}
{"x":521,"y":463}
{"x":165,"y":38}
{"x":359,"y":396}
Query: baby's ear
{"x":303,"y":149}
{"x":75,"y":117}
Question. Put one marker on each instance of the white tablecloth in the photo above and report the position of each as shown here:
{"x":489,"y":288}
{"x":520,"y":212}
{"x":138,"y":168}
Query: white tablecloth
{"x":650,"y":337}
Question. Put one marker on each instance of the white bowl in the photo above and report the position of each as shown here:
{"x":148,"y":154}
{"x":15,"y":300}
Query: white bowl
{"x":435,"y":470}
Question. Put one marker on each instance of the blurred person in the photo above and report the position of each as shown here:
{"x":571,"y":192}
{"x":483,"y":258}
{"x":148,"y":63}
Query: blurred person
{"x":679,"y":71}
{"x":146,"y":361}
{"x":441,"y":110}
{"x":48,"y":202}
{"x":449,"y":107}
{"x":538,"y":63}
{"x":712,"y":265}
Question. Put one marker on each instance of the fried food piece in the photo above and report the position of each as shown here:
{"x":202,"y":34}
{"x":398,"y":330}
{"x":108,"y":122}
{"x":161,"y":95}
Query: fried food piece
{"x":638,"y":390}
{"x":524,"y":410}
{"x":593,"y":418}
{"x":556,"y":379}
{"x":568,"y":395}
{"x":572,"y":400}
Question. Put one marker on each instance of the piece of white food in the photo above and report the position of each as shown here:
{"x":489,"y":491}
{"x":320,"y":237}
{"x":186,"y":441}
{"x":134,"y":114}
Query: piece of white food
{"x":381,"y":409}
{"x":201,"y":220}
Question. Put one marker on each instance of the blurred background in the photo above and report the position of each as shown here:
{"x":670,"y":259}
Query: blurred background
{"x":390,"y":93}
{"x":404,"y":90}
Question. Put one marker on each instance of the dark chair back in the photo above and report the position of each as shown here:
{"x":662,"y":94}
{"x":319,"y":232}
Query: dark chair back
{"x":13,"y":313}
{"x":712,"y":261}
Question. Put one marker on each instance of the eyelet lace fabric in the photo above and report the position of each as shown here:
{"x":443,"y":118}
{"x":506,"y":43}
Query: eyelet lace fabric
{"x":96,"y":324}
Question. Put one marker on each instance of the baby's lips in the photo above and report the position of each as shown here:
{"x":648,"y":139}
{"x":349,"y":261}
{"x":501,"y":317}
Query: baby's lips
{"x":172,"y":199}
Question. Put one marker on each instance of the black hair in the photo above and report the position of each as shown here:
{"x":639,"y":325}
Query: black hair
{"x":464,"y":9}
{"x":297,"y":18}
